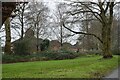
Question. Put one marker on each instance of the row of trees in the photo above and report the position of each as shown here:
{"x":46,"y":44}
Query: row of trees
{"x":93,"y":22}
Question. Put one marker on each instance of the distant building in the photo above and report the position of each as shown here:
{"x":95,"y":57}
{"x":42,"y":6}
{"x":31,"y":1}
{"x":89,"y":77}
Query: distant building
{"x":68,"y":46}
{"x":54,"y":45}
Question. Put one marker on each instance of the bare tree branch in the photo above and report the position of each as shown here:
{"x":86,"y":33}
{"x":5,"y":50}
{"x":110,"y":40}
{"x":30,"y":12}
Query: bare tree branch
{"x":82,"y":33}
{"x":96,"y":14}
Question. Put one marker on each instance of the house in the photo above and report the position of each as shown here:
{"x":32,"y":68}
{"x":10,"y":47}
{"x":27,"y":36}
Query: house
{"x":54,"y":45}
{"x":68,"y":46}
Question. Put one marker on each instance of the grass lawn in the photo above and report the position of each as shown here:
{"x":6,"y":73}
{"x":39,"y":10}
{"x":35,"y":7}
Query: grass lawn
{"x":82,"y":67}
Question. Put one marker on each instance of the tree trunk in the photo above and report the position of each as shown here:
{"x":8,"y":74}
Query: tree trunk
{"x":8,"y":37}
{"x":22,"y":24}
{"x":37,"y":46}
{"x":106,"y":38}
{"x":61,"y":42}
{"x":22,"y":29}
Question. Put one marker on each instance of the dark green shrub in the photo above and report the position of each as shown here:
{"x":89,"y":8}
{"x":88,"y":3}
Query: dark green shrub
{"x":93,"y":52}
{"x":116,"y":52}
{"x":60,"y":55}
{"x":44,"y":45}
{"x":21,"y":47}
{"x":46,"y":55}
{"x":10,"y":58}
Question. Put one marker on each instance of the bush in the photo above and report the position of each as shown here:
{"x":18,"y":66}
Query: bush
{"x":46,"y":55}
{"x":116,"y":52}
{"x":15,"y":58}
{"x":66,"y":56}
{"x":96,"y":52}
{"x":44,"y":45}
{"x":21,"y":47}
{"x":60,"y":55}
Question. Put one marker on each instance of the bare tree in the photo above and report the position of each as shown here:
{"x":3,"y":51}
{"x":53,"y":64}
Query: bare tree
{"x":57,"y":28}
{"x":60,"y":18}
{"x":102,"y":11}
{"x":19,"y":21}
{"x":36,"y":18}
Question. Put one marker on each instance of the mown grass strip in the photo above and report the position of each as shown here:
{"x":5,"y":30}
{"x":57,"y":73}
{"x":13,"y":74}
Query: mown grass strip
{"x":82,"y":67}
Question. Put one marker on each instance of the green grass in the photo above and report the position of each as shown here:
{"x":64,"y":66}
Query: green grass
{"x":82,"y":67}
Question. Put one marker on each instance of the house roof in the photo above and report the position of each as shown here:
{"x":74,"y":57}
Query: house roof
{"x":55,"y":41}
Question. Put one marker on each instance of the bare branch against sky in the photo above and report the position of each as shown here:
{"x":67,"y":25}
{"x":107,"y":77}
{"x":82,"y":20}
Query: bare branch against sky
{"x":57,"y":0}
